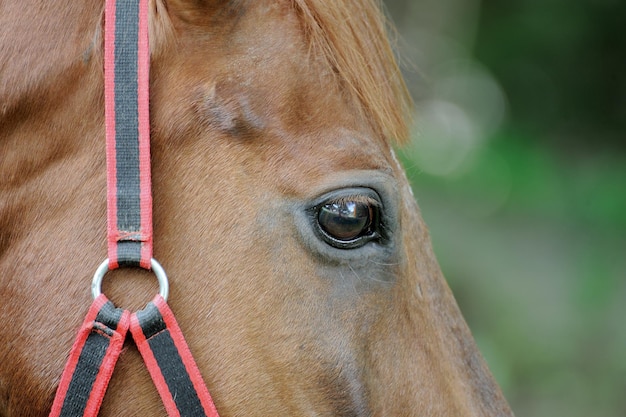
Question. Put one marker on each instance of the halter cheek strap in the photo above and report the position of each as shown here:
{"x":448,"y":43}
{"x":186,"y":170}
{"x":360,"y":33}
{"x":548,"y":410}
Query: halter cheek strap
{"x":129,"y":205}
{"x":162,"y":346}
{"x":91,"y":362}
{"x":169,"y":361}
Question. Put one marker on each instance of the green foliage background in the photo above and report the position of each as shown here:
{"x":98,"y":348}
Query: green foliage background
{"x":518,"y":162}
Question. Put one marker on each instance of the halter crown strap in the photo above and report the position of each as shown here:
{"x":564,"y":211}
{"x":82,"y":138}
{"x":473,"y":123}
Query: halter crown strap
{"x":126,"y":74}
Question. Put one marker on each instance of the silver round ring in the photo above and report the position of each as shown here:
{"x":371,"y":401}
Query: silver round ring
{"x":96,"y":284}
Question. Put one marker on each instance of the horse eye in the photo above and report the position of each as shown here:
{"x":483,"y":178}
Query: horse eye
{"x":349,"y":222}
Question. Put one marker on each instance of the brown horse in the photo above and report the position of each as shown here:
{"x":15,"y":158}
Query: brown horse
{"x":301,"y":271}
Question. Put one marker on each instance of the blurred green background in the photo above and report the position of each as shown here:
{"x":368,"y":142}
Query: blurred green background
{"x":518,"y":162}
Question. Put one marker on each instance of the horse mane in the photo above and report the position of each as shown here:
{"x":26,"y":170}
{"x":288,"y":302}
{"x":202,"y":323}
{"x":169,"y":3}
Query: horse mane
{"x":353,"y":37}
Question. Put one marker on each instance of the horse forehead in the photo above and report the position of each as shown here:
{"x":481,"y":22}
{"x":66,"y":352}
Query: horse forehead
{"x":294,"y":148}
{"x":259,"y":82}
{"x":227,"y":26}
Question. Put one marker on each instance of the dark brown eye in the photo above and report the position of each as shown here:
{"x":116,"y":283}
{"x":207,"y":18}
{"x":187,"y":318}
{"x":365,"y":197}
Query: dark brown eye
{"x":349,"y":222}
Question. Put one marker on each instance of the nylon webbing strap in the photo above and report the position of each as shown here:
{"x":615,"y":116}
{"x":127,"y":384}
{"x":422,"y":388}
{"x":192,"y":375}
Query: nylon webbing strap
{"x":162,"y":346}
{"x":126,"y":74}
{"x":91,"y":362}
{"x":169,"y":361}
{"x":156,"y":333}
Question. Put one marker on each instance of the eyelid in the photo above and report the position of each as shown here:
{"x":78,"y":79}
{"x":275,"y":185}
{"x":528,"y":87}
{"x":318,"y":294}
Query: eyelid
{"x":355,"y":198}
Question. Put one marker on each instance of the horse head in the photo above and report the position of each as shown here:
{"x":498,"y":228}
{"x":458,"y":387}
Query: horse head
{"x":301,"y":270}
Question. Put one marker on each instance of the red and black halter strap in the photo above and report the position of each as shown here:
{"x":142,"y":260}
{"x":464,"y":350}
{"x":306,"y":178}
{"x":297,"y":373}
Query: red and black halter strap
{"x":126,"y":83}
{"x":154,"y":329}
{"x":92,"y":360}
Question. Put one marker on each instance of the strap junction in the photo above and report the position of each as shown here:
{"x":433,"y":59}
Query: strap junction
{"x":161,"y":345}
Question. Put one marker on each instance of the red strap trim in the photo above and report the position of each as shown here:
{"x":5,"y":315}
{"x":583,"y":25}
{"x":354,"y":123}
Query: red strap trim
{"x":109,"y":120}
{"x":153,"y":367}
{"x":143,"y":98}
{"x":170,"y":363}
{"x":91,"y":361}
{"x":184,"y":352}
{"x":127,"y":120}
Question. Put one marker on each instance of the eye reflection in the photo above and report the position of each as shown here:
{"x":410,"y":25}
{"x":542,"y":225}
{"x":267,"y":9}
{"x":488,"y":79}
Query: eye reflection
{"x":348,"y":218}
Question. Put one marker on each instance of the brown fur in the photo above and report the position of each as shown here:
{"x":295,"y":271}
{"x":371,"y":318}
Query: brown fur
{"x":258,"y":108}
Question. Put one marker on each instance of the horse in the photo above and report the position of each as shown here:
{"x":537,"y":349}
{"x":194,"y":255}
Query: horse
{"x":301,"y":270}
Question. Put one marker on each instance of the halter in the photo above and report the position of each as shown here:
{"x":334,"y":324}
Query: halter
{"x":129,"y":206}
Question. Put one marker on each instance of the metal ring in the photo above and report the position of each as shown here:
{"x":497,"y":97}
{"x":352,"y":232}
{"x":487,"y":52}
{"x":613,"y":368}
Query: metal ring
{"x":96,"y":284}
